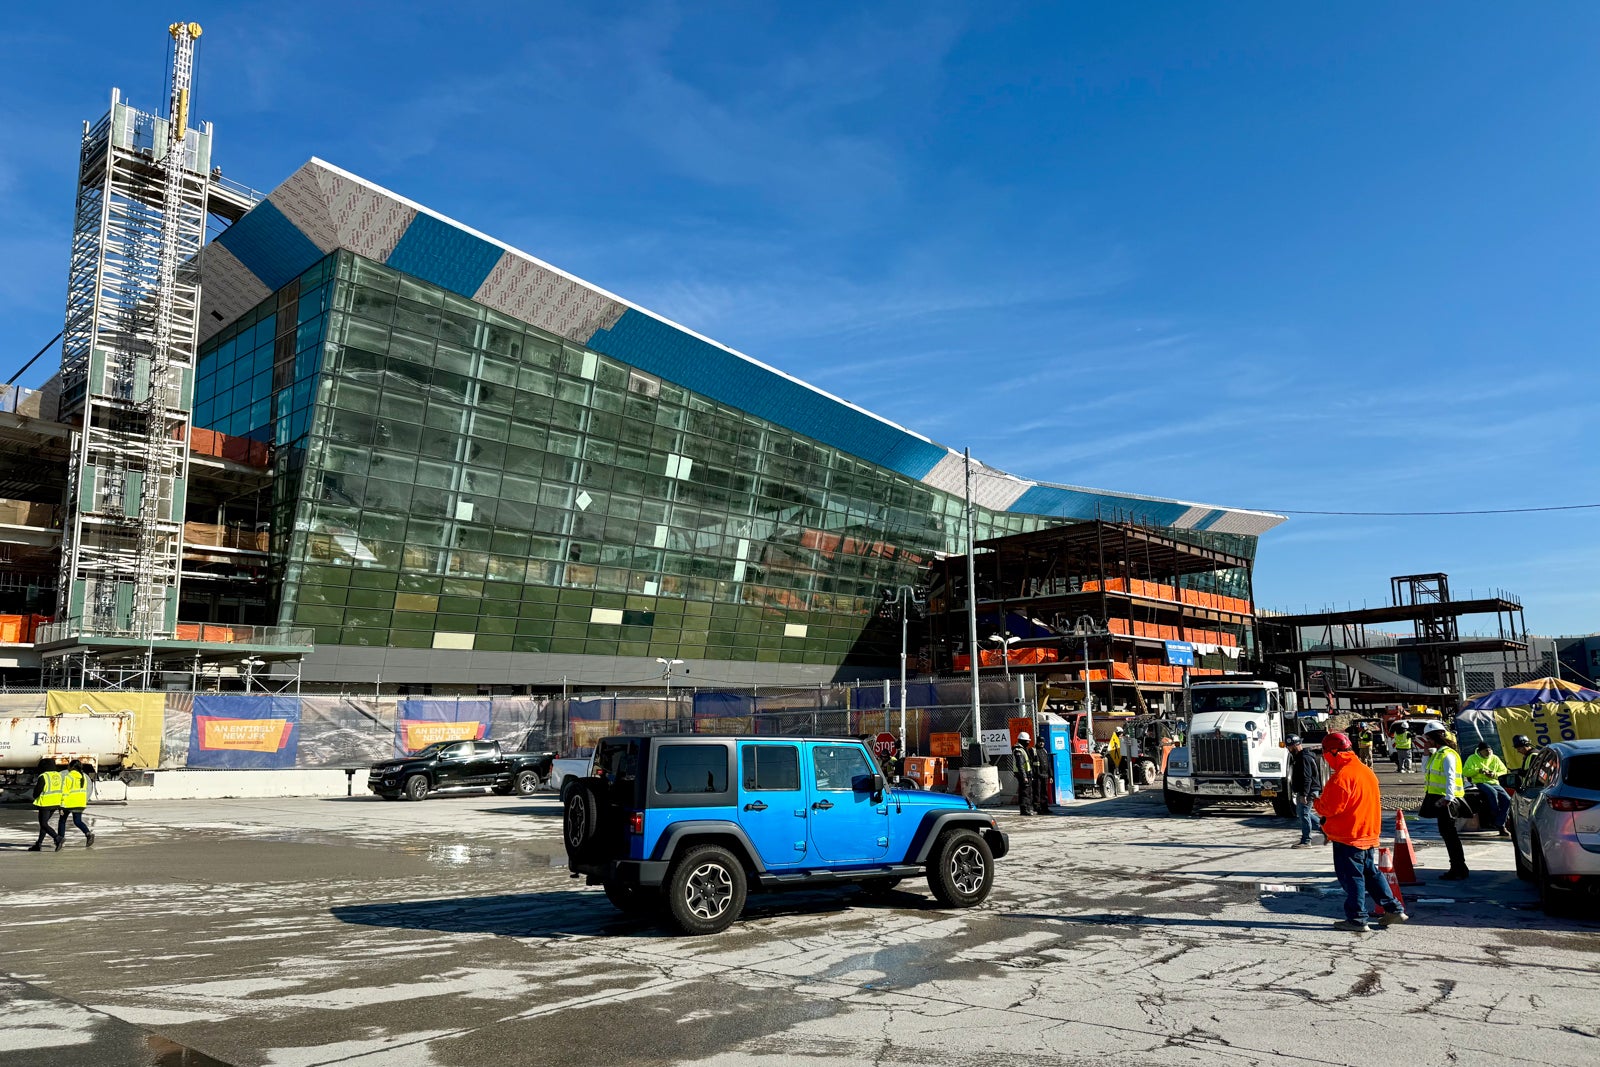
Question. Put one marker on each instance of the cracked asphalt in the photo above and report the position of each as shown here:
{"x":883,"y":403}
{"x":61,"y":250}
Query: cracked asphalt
{"x":295,"y":933}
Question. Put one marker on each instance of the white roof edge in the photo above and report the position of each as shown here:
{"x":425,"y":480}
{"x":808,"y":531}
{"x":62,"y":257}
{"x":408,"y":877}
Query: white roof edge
{"x":613,"y":296}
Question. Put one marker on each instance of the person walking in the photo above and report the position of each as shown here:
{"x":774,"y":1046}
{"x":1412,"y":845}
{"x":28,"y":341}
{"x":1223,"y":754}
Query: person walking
{"x":47,"y":800}
{"x":1352,"y":818}
{"x":1402,"y":750}
{"x":1444,"y":794}
{"x":1022,"y":767}
{"x":74,"y":799}
{"x":1305,"y":785}
{"x":1483,"y":769}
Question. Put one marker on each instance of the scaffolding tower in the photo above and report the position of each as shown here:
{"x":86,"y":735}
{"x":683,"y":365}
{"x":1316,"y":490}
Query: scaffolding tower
{"x":127,"y":367}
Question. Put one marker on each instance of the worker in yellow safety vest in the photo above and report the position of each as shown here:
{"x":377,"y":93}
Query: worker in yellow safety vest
{"x":74,"y":798}
{"x":1402,"y":750}
{"x":47,"y":800}
{"x":1445,"y":791}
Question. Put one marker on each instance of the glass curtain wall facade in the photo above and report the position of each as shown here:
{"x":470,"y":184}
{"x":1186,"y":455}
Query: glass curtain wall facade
{"x":451,"y":478}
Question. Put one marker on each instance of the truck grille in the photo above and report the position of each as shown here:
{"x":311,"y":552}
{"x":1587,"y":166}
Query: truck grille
{"x":1220,"y":755}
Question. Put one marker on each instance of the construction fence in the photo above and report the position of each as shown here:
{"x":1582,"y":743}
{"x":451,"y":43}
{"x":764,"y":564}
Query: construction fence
{"x":257,"y":731}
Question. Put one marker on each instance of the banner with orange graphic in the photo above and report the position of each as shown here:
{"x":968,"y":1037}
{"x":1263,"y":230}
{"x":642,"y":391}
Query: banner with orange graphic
{"x":239,"y":732}
{"x":423,"y":722}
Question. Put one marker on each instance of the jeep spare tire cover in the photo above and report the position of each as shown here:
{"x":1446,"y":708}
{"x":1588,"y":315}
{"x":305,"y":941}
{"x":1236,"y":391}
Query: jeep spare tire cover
{"x":580,"y":819}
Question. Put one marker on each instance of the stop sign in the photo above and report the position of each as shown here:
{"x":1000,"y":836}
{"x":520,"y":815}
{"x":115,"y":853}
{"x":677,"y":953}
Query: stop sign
{"x":884,"y":744}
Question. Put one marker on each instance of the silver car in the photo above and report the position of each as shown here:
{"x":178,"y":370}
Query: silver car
{"x":1555,"y":822}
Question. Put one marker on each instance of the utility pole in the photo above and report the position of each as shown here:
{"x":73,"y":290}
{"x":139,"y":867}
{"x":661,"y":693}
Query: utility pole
{"x":972,"y":612}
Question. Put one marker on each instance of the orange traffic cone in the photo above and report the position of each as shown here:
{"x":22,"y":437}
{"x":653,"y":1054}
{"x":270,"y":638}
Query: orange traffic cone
{"x":1386,"y":868}
{"x":1405,"y":855}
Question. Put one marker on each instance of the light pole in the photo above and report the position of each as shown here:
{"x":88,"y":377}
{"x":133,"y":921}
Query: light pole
{"x":250,"y":664}
{"x":1005,"y":641}
{"x":1086,"y":627}
{"x":905,"y":600}
{"x":666,"y":676}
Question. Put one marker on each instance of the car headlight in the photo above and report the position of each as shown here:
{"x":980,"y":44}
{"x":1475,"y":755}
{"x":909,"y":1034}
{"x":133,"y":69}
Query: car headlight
{"x":1271,"y":766}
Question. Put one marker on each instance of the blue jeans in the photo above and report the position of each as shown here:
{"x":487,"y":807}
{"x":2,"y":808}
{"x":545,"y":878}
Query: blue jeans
{"x":1304,"y":818}
{"x":1496,"y":801}
{"x":1357,"y":870}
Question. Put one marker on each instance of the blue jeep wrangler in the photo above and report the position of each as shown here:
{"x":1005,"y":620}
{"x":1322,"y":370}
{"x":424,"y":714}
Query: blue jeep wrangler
{"x":690,"y":825}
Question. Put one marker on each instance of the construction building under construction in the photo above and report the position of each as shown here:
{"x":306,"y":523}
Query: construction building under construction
{"x":355,"y":436}
{"x":1352,"y":659}
{"x":1130,"y":608}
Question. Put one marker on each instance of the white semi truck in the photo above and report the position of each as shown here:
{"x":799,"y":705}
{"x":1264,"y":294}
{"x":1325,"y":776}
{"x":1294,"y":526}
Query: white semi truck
{"x":1235,"y":746}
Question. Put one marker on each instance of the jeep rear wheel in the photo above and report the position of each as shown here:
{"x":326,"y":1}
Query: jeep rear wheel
{"x":962,"y":869}
{"x":416,"y":787}
{"x":705,"y":890}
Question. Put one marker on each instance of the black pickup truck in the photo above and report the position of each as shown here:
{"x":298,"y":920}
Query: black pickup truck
{"x":451,"y":765}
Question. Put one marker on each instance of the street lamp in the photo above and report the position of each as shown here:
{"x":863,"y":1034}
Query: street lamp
{"x":250,"y":663}
{"x":1005,"y":642}
{"x":903,"y":599}
{"x":666,"y":676}
{"x":1086,"y":627}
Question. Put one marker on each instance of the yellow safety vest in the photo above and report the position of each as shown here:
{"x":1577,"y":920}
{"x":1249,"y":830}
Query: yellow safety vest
{"x":74,"y":790}
{"x":1402,"y":741}
{"x":51,"y":796}
{"x":1435,"y":780}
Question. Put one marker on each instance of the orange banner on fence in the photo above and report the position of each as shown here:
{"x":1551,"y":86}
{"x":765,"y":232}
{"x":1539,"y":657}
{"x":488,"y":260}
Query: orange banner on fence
{"x":242,"y":735}
{"x":420,"y":733}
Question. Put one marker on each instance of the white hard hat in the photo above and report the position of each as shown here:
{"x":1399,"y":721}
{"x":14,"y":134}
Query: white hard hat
{"x":1119,"y":729}
{"x":1023,"y":735}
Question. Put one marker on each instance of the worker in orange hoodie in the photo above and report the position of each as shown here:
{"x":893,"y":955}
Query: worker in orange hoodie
{"x":1352,"y":816}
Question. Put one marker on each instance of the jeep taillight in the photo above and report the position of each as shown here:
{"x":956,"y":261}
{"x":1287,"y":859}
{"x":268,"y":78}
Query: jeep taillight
{"x":1570,"y":804}
{"x":636,"y":822}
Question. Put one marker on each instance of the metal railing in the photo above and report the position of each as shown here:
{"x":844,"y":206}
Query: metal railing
{"x":207,"y":632}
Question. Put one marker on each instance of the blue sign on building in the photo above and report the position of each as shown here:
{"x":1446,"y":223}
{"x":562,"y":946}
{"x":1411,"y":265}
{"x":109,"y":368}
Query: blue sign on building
{"x":1179,"y":654}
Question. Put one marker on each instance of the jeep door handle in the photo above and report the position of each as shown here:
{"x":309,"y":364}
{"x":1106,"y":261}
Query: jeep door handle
{"x":823,"y":805}
{"x":755,"y":805}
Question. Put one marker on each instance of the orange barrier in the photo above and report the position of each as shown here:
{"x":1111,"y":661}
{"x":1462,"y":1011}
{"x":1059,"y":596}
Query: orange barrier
{"x":1386,"y":868}
{"x":1405,"y":853}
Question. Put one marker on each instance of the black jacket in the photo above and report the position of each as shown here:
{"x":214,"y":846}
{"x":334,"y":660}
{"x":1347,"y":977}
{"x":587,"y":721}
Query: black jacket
{"x":1305,"y":772}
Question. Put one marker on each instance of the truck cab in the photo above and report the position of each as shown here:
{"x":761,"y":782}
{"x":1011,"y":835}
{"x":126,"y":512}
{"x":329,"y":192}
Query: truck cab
{"x":1235,"y":747}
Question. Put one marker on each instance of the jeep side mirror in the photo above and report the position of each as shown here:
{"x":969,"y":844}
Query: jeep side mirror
{"x":877,"y":784}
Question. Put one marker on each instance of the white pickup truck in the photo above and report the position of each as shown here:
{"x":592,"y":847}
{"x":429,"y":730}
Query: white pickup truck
{"x":1235,"y":748}
{"x":563,"y":772}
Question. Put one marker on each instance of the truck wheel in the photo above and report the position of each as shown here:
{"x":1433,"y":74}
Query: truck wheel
{"x":962,"y":869}
{"x":1177,"y":803}
{"x":580,"y":821}
{"x":1108,"y":785}
{"x":416,"y":787}
{"x":1283,"y":806}
{"x":527,"y":783}
{"x":705,"y":890}
{"x":566,"y":786}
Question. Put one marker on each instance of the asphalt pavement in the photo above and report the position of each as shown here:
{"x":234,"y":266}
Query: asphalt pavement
{"x":294,"y":933}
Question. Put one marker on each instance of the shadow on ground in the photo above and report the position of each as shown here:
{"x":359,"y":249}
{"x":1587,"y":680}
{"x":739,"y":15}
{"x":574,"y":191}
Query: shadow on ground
{"x":566,"y":913}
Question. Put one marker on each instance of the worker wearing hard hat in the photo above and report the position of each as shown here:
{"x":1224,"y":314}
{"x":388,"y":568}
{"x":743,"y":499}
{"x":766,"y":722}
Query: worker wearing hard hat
{"x":1445,"y":795}
{"x":1023,"y":767}
{"x":47,"y":801}
{"x":1402,"y":749}
{"x":1483,"y":769}
{"x":1352,"y":817}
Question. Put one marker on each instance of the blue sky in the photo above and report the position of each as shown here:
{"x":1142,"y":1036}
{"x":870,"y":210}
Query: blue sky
{"x":1252,"y":254}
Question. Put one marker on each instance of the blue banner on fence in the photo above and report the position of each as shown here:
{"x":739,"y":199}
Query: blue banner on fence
{"x":239,"y":732}
{"x":1180,"y":654}
{"x":420,"y":723}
